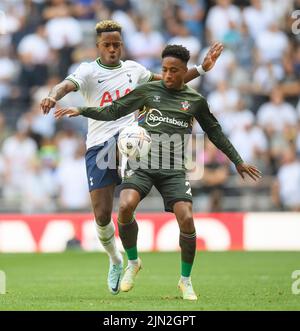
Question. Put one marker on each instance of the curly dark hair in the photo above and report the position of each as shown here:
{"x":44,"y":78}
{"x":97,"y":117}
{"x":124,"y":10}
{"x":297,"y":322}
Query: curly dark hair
{"x":177,"y":51}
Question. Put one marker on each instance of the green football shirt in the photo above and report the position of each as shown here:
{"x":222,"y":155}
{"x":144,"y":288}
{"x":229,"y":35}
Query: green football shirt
{"x":168,"y":116}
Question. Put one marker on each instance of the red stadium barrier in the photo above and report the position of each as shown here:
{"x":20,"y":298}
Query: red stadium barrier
{"x":157,"y":232}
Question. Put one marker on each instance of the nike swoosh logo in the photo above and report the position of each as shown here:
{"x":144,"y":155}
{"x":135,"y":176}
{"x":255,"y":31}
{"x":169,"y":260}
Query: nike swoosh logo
{"x":101,"y":81}
{"x":115,"y":289}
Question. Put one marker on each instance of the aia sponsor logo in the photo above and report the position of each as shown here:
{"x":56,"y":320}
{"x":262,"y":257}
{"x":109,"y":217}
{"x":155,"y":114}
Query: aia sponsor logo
{"x":108,"y":97}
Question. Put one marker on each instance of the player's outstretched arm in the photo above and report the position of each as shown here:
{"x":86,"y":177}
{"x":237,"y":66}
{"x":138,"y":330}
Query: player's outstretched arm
{"x":208,"y":63}
{"x":57,"y":92}
{"x":96,"y":113}
{"x":215,"y":134}
{"x":119,"y":108}
{"x":219,"y":139}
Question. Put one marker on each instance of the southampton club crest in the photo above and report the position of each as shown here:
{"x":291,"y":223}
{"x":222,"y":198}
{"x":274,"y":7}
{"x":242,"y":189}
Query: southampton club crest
{"x":185,"y":105}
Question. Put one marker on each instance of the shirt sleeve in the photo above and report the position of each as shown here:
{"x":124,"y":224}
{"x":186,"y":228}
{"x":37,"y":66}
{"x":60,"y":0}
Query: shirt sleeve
{"x":80,"y":76}
{"x":145,"y":75}
{"x":211,"y":126}
{"x":119,"y":108}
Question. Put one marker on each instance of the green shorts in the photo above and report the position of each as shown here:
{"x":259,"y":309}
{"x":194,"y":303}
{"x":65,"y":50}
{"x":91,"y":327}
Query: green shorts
{"x":171,"y":184}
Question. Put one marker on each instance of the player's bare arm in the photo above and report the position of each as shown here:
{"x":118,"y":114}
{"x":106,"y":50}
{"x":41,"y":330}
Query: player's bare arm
{"x":57,"y":92}
{"x":208,"y":63}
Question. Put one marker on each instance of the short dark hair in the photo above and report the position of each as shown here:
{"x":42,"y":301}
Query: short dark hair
{"x":177,"y":51}
{"x":108,"y":26}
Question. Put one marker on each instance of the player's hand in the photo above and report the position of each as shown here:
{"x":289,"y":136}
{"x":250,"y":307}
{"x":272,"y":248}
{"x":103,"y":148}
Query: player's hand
{"x":212,"y":56}
{"x":68,"y":111}
{"x":47,"y":104}
{"x":250,"y":170}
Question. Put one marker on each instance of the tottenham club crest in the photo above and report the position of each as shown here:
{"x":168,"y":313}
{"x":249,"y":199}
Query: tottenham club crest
{"x":185,"y":105}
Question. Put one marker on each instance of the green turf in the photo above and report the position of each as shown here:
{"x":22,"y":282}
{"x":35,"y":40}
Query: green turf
{"x":224,"y":280}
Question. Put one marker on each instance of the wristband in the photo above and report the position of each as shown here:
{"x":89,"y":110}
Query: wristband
{"x":200,"y":70}
{"x":52,"y":99}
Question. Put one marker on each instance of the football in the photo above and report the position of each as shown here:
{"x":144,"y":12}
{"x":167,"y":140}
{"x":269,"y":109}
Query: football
{"x":134,"y":141}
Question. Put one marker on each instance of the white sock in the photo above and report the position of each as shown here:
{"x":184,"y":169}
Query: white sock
{"x":106,"y":235}
{"x":133,"y":262}
{"x":186,"y":279}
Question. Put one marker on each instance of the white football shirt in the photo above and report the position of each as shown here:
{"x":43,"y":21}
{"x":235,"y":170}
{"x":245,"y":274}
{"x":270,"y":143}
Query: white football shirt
{"x":100,"y":85}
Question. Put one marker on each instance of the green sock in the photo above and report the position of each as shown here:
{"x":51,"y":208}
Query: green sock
{"x":132,"y":253}
{"x":186,"y":269}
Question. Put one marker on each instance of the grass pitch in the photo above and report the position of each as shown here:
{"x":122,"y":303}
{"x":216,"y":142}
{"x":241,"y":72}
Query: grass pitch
{"x":223,"y":280}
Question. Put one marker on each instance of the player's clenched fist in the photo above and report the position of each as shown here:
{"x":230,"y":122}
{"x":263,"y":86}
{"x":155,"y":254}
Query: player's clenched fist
{"x":69,"y":111}
{"x":47,"y":103}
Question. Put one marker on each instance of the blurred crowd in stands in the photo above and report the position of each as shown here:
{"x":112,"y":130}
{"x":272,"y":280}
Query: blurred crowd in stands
{"x":42,"y":161}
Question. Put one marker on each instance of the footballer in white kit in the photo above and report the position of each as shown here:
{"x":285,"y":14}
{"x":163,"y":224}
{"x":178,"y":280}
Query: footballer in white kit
{"x":100,"y":82}
{"x":100,"y":85}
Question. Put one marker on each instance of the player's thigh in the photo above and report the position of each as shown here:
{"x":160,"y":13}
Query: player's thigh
{"x":102,"y":182}
{"x":183,"y":211}
{"x":102,"y":203}
{"x":101,"y":173}
{"x":139,"y":180}
{"x":173,"y":186}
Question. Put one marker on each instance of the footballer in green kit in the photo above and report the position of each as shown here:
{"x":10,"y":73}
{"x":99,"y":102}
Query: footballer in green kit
{"x":165,"y":107}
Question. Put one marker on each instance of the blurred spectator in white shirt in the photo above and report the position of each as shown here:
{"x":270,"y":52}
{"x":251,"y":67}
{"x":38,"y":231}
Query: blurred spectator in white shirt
{"x":35,"y":46}
{"x":184,"y":38}
{"x":43,"y":126}
{"x":278,"y":9}
{"x":286,"y":190}
{"x":223,"y":102}
{"x":8,"y":72}
{"x":220,"y":18}
{"x":276,"y":113}
{"x":146,"y":45}
{"x":265,"y":77}
{"x":271,"y":44}
{"x":63,"y":31}
{"x":18,"y":152}
{"x":249,"y":140}
{"x":67,"y":142}
{"x":36,"y":197}
{"x":257,"y":18}
{"x":71,"y":178}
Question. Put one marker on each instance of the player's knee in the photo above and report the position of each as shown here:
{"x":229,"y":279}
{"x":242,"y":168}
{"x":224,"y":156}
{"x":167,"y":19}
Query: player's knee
{"x":103,"y":216}
{"x":186,"y":224}
{"x":126,"y":209}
